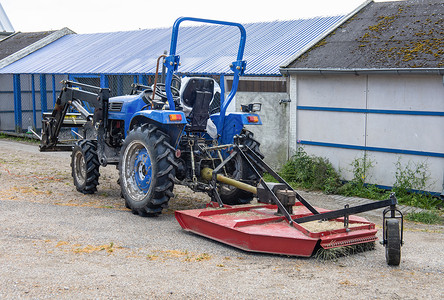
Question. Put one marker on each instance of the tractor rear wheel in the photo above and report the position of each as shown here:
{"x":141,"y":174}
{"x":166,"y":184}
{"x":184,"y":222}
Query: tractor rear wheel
{"x":146,"y":170}
{"x":393,"y":242}
{"x":240,"y":170}
{"x":85,"y":166}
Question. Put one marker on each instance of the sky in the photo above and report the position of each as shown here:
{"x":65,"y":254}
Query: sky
{"x":92,"y":16}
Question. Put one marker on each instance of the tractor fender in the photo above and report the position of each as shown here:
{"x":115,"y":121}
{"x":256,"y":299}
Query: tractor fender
{"x":168,"y":121}
{"x":233,"y":124}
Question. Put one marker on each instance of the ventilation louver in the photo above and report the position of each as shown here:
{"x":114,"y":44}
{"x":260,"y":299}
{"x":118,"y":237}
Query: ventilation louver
{"x":115,"y":106}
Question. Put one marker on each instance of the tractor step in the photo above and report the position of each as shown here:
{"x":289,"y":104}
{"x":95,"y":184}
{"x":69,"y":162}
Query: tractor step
{"x":259,"y":228}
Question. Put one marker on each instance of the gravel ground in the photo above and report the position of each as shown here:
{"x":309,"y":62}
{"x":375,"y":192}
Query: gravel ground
{"x":58,"y":243}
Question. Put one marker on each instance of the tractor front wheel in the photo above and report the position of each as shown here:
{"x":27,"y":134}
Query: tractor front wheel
{"x":146,"y":170}
{"x":85,"y":166}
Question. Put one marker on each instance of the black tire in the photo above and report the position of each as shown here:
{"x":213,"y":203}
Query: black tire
{"x":393,"y":245}
{"x":240,"y":170}
{"x":147,"y":170}
{"x":85,"y":166}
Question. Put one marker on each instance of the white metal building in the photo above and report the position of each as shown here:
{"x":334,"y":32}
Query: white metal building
{"x":374,"y":86}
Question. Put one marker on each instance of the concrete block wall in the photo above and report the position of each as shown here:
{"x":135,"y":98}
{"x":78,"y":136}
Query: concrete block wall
{"x":273,"y":134}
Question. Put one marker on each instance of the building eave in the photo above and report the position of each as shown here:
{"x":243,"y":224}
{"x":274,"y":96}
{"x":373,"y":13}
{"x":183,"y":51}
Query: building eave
{"x":387,"y":71}
{"x":34,"y":47}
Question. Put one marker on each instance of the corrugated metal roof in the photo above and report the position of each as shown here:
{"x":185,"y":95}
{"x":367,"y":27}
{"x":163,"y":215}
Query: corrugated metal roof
{"x":203,"y":49}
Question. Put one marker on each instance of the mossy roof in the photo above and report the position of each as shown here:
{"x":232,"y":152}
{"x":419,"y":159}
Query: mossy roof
{"x":383,"y":35}
{"x":20,"y":40}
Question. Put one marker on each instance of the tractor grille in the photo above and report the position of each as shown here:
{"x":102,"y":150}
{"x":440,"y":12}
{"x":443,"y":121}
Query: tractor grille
{"x":115,"y":106}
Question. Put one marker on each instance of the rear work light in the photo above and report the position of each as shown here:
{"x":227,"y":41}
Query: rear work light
{"x":175,"y":117}
{"x":252,"y":107}
{"x":252,"y":119}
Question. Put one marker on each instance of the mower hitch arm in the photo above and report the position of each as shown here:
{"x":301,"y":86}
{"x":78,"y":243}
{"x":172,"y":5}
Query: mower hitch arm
{"x":392,"y":201}
{"x":252,"y":156}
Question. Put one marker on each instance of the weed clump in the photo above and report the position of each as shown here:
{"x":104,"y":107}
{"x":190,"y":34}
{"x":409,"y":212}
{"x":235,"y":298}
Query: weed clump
{"x":426,"y":217}
{"x":358,"y":186}
{"x":311,"y":172}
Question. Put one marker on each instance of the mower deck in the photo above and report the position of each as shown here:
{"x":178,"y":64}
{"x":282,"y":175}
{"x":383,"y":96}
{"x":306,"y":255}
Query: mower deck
{"x":257,"y":228}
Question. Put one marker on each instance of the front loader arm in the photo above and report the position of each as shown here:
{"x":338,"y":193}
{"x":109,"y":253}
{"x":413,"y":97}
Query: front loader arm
{"x":72,"y":95}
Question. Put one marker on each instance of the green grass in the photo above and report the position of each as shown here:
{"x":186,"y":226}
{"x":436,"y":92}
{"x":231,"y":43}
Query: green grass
{"x":24,"y":138}
{"x":425,"y":201}
{"x":426,"y":217}
{"x":268,"y":178}
{"x":370,"y":191}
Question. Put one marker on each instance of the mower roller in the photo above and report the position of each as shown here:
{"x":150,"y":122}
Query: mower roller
{"x":181,"y":131}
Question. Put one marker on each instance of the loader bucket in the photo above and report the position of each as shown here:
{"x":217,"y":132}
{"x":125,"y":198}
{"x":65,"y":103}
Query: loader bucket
{"x":257,"y":228}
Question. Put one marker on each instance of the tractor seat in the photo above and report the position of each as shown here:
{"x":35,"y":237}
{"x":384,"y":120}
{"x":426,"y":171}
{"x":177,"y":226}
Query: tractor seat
{"x":196,"y":96}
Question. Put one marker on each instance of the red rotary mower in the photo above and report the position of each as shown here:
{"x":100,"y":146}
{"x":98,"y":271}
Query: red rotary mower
{"x":284,"y":222}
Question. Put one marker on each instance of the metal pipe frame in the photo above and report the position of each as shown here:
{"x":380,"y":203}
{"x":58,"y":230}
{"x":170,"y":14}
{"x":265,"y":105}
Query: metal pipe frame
{"x":348,"y":210}
{"x":238,"y":67}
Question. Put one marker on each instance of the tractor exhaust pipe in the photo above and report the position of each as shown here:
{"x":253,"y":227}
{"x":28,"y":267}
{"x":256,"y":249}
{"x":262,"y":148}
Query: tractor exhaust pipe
{"x":207,"y":174}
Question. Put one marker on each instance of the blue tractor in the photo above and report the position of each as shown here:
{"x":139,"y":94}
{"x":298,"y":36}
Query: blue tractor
{"x":158,"y":136}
